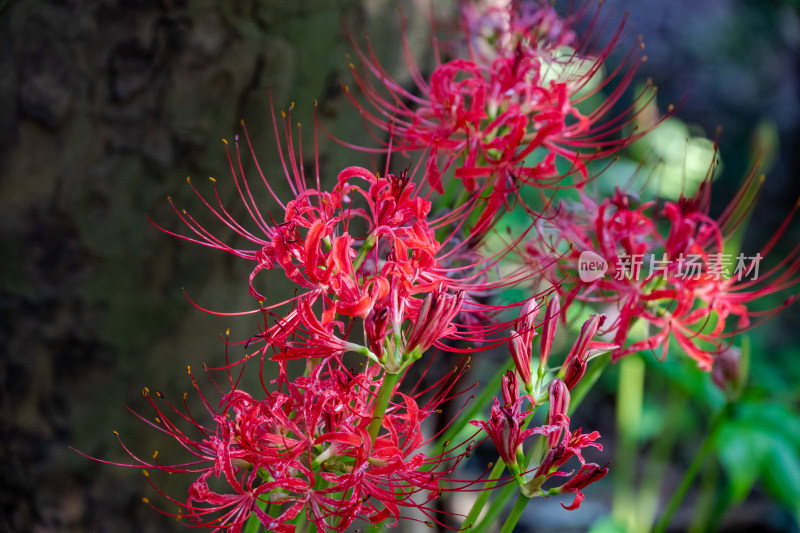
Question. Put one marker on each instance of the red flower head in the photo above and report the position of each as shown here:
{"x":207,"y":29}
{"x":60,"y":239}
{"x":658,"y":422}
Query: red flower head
{"x":506,"y":429}
{"x":395,"y":275}
{"x":588,"y":474}
{"x":506,"y":109}
{"x":561,"y":447}
{"x":668,"y":265}
{"x":306,"y":446}
{"x":506,"y":424}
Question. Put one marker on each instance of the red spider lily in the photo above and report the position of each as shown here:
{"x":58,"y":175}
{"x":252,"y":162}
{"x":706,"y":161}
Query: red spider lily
{"x":305,"y":446}
{"x":392,"y":269}
{"x":571,"y":445}
{"x":685,"y":294}
{"x":495,"y":27}
{"x":588,"y":474}
{"x":561,"y":447}
{"x":506,"y":424}
{"x":506,"y":429}
{"x":433,"y":319}
{"x":504,"y":114}
{"x":575,"y":364}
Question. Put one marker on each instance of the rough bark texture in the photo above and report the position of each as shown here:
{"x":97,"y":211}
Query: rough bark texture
{"x":106,"y":107}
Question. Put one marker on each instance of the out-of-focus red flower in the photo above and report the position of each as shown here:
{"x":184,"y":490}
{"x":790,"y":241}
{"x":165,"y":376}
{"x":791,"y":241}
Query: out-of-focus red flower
{"x":668,"y":265}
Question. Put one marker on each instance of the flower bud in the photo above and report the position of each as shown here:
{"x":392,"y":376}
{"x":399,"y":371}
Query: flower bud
{"x":559,"y":409}
{"x":434,"y":320}
{"x":548,"y":332}
{"x":726,"y":372}
{"x":524,"y":325}
{"x":574,"y":371}
{"x":509,"y":389}
{"x":375,"y":325}
{"x":574,"y":366}
{"x":521,"y":354}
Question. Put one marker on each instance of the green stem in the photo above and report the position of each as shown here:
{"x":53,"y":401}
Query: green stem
{"x":516,"y":513}
{"x":385,"y":394}
{"x":694,"y":468}
{"x":483,"y":496}
{"x":497,"y":507}
{"x":653,"y":476}
{"x":706,"y":502}
{"x":369,"y":244}
{"x":629,"y":414}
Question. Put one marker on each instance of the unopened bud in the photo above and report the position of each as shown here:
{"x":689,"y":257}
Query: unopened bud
{"x":548,"y":332}
{"x":434,"y":320}
{"x":574,"y":366}
{"x":559,"y":409}
{"x":726,"y":371}
{"x":509,"y":389}
{"x":525,"y":323}
{"x":375,"y":325}
{"x":588,"y":331}
{"x":574,"y":371}
{"x":521,"y":354}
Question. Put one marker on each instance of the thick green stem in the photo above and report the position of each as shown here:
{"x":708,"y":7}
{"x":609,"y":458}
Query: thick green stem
{"x":629,"y":414}
{"x":706,"y":502}
{"x":483,"y":496}
{"x":497,"y":507}
{"x":385,"y":394}
{"x":369,"y":244}
{"x":657,"y":461}
{"x":694,"y":468}
{"x":516,"y":513}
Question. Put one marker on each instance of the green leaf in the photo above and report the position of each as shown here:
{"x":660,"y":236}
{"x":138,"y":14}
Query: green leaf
{"x":607,"y":525}
{"x":781,"y":473}
{"x":741,"y":450}
{"x":776,"y":418}
{"x":763,"y":442}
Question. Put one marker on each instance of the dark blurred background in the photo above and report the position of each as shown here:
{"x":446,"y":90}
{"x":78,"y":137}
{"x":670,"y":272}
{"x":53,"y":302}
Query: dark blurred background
{"x":107,"y":105}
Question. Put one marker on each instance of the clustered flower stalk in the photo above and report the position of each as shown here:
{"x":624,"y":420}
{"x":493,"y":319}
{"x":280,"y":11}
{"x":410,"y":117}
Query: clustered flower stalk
{"x":398,"y":269}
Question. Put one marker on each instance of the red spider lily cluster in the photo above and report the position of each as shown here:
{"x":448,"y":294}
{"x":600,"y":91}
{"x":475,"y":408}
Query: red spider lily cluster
{"x":303,"y":446}
{"x":669,"y":264}
{"x":383,"y":284}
